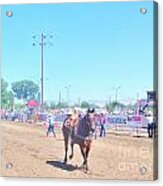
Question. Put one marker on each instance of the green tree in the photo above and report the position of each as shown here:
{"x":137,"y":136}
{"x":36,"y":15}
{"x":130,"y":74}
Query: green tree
{"x":7,"y":97}
{"x":4,"y":85}
{"x":25,"y":89}
{"x":113,"y":105}
{"x":85,"y":104}
{"x":62,"y":105}
{"x":52,"y":105}
{"x":18,"y":106}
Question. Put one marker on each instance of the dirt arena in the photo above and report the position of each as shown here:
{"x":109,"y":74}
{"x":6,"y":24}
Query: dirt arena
{"x":34,"y":155}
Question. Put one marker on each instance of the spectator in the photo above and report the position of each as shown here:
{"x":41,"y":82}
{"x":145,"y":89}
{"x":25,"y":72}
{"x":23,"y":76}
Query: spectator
{"x":12,"y":115}
{"x":102,"y":125}
{"x":151,"y":125}
{"x":6,"y":115}
{"x":50,"y":122}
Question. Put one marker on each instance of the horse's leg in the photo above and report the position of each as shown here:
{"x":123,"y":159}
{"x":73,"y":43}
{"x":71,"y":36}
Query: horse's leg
{"x":72,"y":143}
{"x":83,"y":152}
{"x":66,"y":149}
{"x":72,"y":150}
{"x":47,"y":132}
{"x":87,"y":153}
{"x":53,"y":132}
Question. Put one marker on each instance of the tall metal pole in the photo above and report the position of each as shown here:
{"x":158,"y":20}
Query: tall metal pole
{"x":79,"y":101}
{"x":43,"y":41}
{"x":42,"y":69}
{"x":109,"y":100}
{"x":60,"y":98}
{"x":68,"y":92}
{"x":116,"y":93}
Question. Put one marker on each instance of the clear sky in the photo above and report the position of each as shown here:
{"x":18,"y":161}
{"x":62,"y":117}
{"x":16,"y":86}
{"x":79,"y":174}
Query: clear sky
{"x":96,"y":47}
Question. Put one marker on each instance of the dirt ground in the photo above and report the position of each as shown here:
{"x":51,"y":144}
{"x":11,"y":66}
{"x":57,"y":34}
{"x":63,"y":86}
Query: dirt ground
{"x":32,"y":154}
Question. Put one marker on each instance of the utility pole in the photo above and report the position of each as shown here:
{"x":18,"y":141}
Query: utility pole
{"x":116,"y":93}
{"x":79,"y":101}
{"x":109,"y":100}
{"x":42,"y":68}
{"x":42,"y":42}
{"x":60,"y":98}
{"x":116,"y":97}
{"x":67,"y":88}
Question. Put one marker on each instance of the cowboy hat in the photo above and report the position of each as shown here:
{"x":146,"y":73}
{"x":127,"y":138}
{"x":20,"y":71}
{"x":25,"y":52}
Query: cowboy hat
{"x":70,"y":112}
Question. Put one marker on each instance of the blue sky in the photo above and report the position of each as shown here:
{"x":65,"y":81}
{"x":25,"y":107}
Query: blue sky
{"x":96,"y":47}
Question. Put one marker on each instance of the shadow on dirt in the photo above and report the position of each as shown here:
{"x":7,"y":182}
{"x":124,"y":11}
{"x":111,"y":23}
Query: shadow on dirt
{"x":61,"y":165}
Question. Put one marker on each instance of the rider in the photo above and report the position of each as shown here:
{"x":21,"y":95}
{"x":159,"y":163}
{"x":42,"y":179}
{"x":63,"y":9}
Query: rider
{"x":72,"y":118}
{"x":71,"y":121}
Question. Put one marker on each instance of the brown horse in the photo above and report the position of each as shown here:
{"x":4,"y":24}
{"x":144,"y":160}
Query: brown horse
{"x":79,"y":132}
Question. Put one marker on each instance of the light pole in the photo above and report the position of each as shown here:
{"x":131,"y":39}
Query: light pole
{"x":67,"y":88}
{"x":116,"y":93}
{"x":79,"y":100}
{"x":116,"y":101}
{"x":60,"y":98}
{"x":42,"y":42}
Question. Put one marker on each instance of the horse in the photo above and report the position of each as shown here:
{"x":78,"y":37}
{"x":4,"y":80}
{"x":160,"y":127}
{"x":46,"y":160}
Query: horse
{"x":80,"y":132}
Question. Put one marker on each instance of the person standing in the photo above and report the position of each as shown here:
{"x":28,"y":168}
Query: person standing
{"x":151,"y":124}
{"x":102,"y":125}
{"x":6,"y":115}
{"x":12,"y":115}
{"x":97,"y":123}
{"x":50,"y":122}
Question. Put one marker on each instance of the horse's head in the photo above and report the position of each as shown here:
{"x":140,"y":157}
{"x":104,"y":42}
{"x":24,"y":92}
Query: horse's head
{"x":91,"y":120}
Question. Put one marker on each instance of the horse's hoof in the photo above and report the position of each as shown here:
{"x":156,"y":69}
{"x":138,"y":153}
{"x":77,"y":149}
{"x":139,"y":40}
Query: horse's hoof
{"x":65,"y":161}
{"x":86,"y":171}
{"x":70,"y":157}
